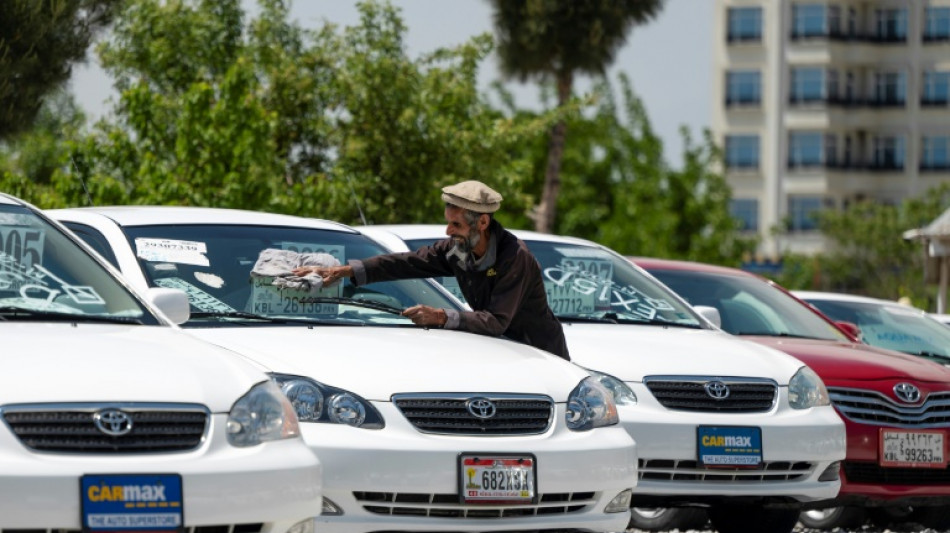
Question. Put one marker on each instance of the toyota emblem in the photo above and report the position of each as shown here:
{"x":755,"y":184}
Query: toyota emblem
{"x":907,"y":392}
{"x":113,"y":422}
{"x":717,"y":390}
{"x":481,"y":407}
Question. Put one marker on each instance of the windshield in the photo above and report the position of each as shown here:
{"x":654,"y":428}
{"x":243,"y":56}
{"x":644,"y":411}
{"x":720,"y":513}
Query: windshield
{"x":585,"y":283}
{"x":235,"y":273}
{"x":891,"y":326}
{"x":46,"y":276}
{"x":748,"y":305}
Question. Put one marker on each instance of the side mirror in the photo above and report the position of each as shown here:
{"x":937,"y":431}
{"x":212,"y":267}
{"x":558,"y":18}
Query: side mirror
{"x":851,"y":328}
{"x":172,"y":302}
{"x":709,"y":313}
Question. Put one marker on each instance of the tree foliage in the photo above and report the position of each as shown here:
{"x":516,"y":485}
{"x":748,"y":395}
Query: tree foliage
{"x":554,"y":40}
{"x":40,"y":40}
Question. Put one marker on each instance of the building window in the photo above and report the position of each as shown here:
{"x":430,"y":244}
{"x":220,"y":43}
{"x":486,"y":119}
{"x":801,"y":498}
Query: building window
{"x":742,"y":151}
{"x":936,"y":88}
{"x":890,"y":88}
{"x":805,"y":149}
{"x":936,"y":153}
{"x":815,"y":20}
{"x":745,"y":24}
{"x":743,"y":87}
{"x":808,"y":85}
{"x":892,"y":25}
{"x":803,"y":212}
{"x":888,"y":153}
{"x":746,"y":210}
{"x":937,"y":24}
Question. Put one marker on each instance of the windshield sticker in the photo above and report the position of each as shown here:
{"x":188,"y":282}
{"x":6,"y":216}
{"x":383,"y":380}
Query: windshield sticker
{"x":198,"y":298}
{"x":172,"y":251}
{"x":38,"y":283}
{"x":337,"y":251}
{"x":23,"y":244}
{"x":212,"y":280}
{"x":269,"y":299}
{"x":581,"y":251}
{"x":606,"y":295}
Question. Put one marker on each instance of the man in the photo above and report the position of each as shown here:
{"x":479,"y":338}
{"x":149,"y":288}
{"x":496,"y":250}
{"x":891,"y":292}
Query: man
{"x":497,"y":274}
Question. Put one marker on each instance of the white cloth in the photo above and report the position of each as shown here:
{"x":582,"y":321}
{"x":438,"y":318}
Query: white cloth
{"x":279,"y":264}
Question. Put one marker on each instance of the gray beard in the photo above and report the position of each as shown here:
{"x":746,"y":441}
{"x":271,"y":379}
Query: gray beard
{"x":463,"y":247}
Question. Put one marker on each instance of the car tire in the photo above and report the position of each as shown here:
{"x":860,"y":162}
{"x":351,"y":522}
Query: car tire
{"x":745,"y":518}
{"x":833,"y":517}
{"x":667,"y":518}
{"x":933,"y":517}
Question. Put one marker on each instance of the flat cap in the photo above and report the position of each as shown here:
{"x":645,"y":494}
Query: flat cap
{"x":472,"y":195}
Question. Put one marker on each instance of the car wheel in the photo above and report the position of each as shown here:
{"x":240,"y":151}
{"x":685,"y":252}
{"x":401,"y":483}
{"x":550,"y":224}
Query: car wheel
{"x":833,"y":517}
{"x":745,"y":518}
{"x":933,"y":517}
{"x":666,"y":518}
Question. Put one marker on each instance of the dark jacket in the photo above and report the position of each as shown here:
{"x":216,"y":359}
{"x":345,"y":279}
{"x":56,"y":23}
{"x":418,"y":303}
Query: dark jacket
{"x":507,"y":298}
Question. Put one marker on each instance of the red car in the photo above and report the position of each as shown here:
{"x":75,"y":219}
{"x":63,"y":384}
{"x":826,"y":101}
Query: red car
{"x":896,"y":407}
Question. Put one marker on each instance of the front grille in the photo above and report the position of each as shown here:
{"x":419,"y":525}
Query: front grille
{"x":514,"y":414}
{"x":872,"y":407}
{"x":70,"y":428}
{"x":233,"y":528}
{"x":448,"y":506}
{"x":746,"y":395}
{"x":674,"y":470}
{"x":862,"y":472}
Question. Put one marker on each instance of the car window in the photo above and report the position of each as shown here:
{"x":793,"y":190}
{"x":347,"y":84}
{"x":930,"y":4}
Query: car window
{"x":43,"y":270}
{"x":891,"y":327}
{"x":95,"y":239}
{"x":220,"y":267}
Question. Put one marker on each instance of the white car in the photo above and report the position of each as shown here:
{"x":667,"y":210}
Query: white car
{"x":417,"y":429}
{"x":696,"y":387}
{"x":115,"y":419}
{"x":886,"y":324}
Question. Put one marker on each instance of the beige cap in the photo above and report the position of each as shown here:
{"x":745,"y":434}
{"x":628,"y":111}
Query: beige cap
{"x":472,"y":195}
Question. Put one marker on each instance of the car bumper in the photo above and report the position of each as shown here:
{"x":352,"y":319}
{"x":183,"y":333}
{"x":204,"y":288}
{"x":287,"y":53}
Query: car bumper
{"x":276,"y":484}
{"x":797,"y":447}
{"x":399,"y":479}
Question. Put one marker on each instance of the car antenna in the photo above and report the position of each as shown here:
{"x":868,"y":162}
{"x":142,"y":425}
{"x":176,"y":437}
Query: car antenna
{"x":82,"y":181}
{"x":356,"y":200}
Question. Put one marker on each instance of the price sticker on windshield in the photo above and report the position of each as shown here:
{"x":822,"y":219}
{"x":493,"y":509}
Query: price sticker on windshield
{"x":922,"y":448}
{"x":24,"y":245}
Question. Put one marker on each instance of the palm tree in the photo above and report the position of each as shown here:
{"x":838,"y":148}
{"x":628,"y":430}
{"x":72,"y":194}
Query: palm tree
{"x":553,"y":40}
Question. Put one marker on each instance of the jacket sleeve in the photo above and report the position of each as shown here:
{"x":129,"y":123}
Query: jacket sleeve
{"x":426,"y":262}
{"x":506,"y":299}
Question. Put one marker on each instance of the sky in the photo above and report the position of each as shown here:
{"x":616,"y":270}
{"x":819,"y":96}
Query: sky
{"x":668,"y":60}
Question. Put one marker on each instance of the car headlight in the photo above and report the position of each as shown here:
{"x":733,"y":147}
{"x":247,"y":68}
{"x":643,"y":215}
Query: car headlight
{"x":620,"y":391}
{"x":261,"y":415}
{"x":315,"y":402}
{"x":806,"y":390}
{"x":590,"y":405}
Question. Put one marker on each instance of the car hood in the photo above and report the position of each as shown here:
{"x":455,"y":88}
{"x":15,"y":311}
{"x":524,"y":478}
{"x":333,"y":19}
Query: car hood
{"x":62,"y":362}
{"x":630,"y":352}
{"x":377,"y":362}
{"x":839,"y":360}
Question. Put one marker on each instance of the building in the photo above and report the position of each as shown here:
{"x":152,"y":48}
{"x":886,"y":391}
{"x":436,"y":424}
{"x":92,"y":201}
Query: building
{"x":819,"y":104}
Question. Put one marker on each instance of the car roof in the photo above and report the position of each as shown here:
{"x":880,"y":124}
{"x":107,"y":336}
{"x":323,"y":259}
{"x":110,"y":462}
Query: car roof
{"x":842,"y":297}
{"x":149,"y":215}
{"x":429,"y":231}
{"x":672,"y":264}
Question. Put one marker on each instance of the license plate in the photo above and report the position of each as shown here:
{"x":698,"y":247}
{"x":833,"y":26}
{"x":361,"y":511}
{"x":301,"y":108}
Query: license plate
{"x":729,"y":446}
{"x":924,"y":448}
{"x":132,"y":502}
{"x":497,"y":478}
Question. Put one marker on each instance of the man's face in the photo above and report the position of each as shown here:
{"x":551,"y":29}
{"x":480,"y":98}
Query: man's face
{"x":464,"y":235}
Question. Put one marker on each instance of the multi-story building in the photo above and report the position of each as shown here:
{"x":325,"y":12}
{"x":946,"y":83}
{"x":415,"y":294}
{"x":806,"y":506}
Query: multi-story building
{"x":819,"y":104}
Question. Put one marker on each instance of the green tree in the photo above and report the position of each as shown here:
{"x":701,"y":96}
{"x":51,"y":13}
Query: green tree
{"x":40,"y":40}
{"x":554,"y":40}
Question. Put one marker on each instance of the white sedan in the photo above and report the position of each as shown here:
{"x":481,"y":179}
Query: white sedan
{"x":114,"y":419}
{"x":417,"y":429}
{"x":720,"y":422}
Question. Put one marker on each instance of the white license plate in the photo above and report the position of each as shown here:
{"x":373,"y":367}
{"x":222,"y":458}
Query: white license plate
{"x":497,"y":478}
{"x":924,"y":448}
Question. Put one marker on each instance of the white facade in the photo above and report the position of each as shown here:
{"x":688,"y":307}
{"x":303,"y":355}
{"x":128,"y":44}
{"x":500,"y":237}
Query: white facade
{"x":819,"y":104}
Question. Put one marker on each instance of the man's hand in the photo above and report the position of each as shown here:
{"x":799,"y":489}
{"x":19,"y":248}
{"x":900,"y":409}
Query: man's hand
{"x":330,"y":275}
{"x":423,"y":315}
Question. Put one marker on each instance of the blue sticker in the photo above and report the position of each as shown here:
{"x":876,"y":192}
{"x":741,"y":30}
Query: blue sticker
{"x":132,"y":502}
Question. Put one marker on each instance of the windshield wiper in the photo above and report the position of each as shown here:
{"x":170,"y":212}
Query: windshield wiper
{"x":243,"y":315}
{"x":12,"y":312}
{"x":357,"y":302}
{"x":931,"y":355}
{"x":610,"y":317}
{"x":587,"y":319}
{"x":776,"y":334}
